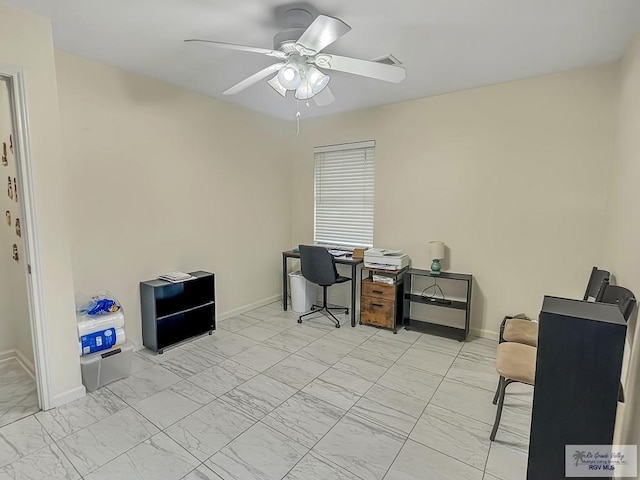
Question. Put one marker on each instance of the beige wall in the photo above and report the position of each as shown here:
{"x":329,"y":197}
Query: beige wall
{"x":7,"y":233}
{"x":509,"y":176}
{"x":163,"y":180}
{"x":25,"y":41}
{"x":623,"y":227}
{"x":152,"y":178}
{"x":15,"y":327}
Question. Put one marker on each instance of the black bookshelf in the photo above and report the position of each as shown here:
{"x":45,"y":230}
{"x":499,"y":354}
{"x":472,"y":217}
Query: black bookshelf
{"x":173,"y":312}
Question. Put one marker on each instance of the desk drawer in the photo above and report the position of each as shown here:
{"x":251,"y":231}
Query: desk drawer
{"x":378,"y":312}
{"x":378,"y":290}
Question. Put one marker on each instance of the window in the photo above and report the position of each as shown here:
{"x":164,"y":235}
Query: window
{"x":344,"y":176}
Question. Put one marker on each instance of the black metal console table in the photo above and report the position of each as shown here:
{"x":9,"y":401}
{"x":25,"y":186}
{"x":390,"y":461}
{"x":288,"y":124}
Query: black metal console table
{"x":439,"y":304}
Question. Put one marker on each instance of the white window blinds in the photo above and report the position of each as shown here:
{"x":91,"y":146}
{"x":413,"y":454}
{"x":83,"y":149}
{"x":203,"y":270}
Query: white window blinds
{"x":344,"y":179}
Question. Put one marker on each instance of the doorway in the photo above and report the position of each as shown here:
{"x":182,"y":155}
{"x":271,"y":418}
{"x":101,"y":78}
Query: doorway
{"x":19,"y":395}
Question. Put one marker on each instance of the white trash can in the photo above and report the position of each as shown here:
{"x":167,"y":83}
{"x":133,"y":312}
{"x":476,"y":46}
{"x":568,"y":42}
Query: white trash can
{"x":302,"y":293}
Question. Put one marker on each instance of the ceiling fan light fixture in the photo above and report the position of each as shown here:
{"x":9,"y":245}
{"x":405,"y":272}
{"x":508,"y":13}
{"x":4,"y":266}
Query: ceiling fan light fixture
{"x":277,"y":86}
{"x":304,"y":90}
{"x":313,"y":82}
{"x":289,"y":76}
{"x":317,"y":79}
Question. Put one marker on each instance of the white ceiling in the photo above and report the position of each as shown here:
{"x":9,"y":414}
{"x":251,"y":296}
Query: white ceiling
{"x":445,"y":45}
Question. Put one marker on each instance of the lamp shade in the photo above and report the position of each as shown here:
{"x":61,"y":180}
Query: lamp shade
{"x":277,"y":86}
{"x":436,"y":250}
{"x":289,"y":76}
{"x":304,"y":90}
{"x":317,"y":79}
{"x":313,"y":82}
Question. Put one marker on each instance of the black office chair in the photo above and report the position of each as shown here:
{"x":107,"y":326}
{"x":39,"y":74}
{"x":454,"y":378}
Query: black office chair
{"x":319,"y":267}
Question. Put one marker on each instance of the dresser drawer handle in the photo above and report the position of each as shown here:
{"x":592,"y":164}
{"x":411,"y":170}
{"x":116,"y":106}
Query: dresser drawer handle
{"x":377,"y":305}
{"x":377,"y":291}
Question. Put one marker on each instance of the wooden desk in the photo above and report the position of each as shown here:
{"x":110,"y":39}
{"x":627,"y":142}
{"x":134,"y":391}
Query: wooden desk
{"x":339,"y":260}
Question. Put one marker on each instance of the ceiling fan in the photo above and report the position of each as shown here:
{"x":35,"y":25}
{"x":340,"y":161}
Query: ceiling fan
{"x":301,"y":61}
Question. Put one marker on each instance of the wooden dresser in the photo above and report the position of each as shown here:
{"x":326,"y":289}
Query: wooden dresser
{"x":381,"y":303}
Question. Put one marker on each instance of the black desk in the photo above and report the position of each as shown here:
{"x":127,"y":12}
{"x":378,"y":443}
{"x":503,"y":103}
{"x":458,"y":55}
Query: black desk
{"x":340,"y":260}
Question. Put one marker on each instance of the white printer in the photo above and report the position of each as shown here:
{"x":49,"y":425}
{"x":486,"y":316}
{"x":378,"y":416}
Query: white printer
{"x":385,"y":259}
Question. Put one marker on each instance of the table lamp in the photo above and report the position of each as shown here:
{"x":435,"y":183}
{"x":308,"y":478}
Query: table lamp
{"x":436,"y":252}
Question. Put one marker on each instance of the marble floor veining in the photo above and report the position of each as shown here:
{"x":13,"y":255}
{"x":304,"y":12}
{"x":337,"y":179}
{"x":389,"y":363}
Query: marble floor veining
{"x":265,"y":398}
{"x":18,"y":393}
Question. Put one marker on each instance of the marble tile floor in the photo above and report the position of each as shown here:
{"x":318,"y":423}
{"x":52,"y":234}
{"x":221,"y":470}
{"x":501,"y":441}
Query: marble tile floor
{"x":266,"y":398}
{"x":18,"y":394}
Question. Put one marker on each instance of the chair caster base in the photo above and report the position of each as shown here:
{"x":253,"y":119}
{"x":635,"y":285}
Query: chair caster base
{"x":346,"y":311}
{"x":299,"y":320}
{"x":337,"y":325}
{"x":360,"y":322}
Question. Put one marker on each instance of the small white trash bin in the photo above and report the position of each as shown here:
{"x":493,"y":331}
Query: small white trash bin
{"x":302,"y":292}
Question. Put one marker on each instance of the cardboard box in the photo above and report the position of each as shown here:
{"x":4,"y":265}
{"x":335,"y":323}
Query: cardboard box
{"x":358,"y":253}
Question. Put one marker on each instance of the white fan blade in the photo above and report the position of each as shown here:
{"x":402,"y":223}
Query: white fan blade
{"x":322,"y":32}
{"x":325,"y":97}
{"x":242,"y":48}
{"x":256,"y":77}
{"x":277,"y":86}
{"x":380,"y":71}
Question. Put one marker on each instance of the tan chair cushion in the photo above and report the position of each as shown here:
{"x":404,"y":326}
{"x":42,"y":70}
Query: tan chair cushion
{"x":521,"y":331}
{"x":516,"y":361}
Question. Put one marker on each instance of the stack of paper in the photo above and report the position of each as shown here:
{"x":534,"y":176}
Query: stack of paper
{"x":383,"y":279}
{"x":175,"y":277}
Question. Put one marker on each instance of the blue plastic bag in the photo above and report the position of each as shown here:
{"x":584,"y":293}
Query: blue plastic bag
{"x":103,"y":305}
{"x":99,"y":304}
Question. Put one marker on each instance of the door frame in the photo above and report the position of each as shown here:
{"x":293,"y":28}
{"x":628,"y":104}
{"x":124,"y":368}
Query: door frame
{"x":30,"y":237}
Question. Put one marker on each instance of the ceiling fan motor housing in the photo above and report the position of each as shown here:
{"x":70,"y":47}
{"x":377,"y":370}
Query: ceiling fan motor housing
{"x":297,"y":21}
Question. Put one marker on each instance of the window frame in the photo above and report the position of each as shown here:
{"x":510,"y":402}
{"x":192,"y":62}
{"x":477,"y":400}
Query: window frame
{"x":357,"y":193}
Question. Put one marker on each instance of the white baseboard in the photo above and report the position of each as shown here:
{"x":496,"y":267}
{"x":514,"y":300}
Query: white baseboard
{"x":21,"y":359}
{"x":484,"y":333}
{"x":26,"y":363}
{"x":246,"y":308}
{"x":7,"y":355}
{"x":69,"y":396}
